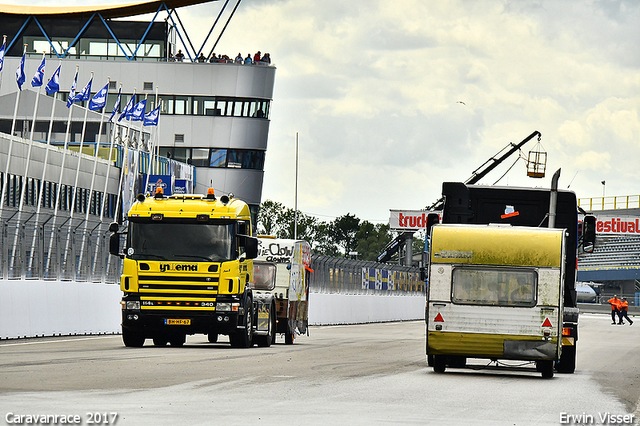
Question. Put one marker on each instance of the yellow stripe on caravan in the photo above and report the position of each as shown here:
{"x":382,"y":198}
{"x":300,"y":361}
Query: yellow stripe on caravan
{"x":497,"y":245}
{"x":478,"y":345}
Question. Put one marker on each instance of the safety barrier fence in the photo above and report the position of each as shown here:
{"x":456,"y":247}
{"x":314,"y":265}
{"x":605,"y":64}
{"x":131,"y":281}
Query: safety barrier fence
{"x":349,"y":276}
{"x":66,"y":249}
{"x":75,"y":249}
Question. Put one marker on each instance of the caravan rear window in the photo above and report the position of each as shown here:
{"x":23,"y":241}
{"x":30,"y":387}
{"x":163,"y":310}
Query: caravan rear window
{"x":494,"y":286}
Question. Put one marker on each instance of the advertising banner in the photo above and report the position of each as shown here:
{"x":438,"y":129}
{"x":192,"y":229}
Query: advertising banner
{"x":617,"y":225}
{"x":408,"y":220}
{"x":162,"y":181}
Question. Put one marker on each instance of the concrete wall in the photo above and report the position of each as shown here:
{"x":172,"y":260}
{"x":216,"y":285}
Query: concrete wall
{"x":31,"y":308}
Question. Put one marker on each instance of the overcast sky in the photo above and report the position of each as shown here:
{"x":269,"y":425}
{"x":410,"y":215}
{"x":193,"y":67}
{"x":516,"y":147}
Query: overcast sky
{"x":390,"y":99}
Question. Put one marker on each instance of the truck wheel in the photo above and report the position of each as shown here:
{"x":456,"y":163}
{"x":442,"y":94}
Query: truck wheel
{"x":132,"y":339}
{"x":439,"y":363}
{"x":567,"y":363}
{"x":160,"y":341}
{"x":178,"y":340}
{"x":244,"y":338}
{"x":546,"y":368}
{"x":212,"y":337}
{"x":269,"y":339}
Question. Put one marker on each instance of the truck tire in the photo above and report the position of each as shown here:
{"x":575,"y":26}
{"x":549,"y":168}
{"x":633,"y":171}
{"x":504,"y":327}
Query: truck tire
{"x":269,"y":339}
{"x":178,"y":340}
{"x":567,"y":363}
{"x":160,"y":341}
{"x":244,"y":338}
{"x":546,"y":368}
{"x":132,"y":339}
{"x":439,"y":363}
{"x":212,"y":337}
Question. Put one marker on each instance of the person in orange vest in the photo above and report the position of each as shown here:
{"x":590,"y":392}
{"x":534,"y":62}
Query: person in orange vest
{"x":615,"y":308}
{"x":624,"y":306}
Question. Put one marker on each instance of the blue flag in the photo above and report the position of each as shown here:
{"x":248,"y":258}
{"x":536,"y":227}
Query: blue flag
{"x":126,"y":113}
{"x":20,"y":78}
{"x":85,"y":94}
{"x":2,"y":55}
{"x":99,"y":100}
{"x":151,"y":118}
{"x":137,"y":113}
{"x":116,"y":106}
{"x":72,"y":92}
{"x":37,"y":79}
{"x":54,"y":82}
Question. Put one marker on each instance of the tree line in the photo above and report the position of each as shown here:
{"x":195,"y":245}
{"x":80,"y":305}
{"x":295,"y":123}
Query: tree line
{"x":339,"y":237}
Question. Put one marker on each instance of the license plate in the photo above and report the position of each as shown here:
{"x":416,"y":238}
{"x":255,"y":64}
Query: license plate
{"x":174,"y":321}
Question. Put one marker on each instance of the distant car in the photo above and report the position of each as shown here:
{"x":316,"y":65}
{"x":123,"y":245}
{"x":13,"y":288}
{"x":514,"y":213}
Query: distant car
{"x":585,"y":293}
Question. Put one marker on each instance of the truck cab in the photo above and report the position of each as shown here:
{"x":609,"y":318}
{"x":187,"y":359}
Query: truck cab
{"x":187,"y":265}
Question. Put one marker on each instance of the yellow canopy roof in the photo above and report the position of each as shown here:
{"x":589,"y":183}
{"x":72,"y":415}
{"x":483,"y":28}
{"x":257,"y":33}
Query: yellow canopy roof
{"x":107,"y":11}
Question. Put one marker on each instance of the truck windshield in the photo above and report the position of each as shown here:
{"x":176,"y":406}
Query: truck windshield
{"x":489,"y":286}
{"x":181,"y":241}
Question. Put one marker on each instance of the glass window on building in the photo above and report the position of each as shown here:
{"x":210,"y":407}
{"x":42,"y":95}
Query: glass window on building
{"x":181,"y":105}
{"x":218,"y":158}
{"x":200,"y":157}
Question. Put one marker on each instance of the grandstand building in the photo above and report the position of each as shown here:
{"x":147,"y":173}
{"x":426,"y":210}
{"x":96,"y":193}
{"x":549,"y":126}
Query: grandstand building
{"x":212,"y":130}
{"x":214,"y":116}
{"x":614,"y":265}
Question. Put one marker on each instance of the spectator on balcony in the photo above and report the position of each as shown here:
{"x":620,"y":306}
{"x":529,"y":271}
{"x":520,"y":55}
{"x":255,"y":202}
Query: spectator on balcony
{"x":239,"y":59}
{"x":201,"y":58}
{"x":247,"y":60}
{"x":256,"y":57}
{"x":179,"y":56}
{"x":266,"y":59}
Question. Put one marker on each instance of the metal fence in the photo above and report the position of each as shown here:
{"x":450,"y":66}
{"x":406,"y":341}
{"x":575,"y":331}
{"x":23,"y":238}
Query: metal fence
{"x":348,"y":276}
{"x":57,"y":248}
{"x":74,"y":249}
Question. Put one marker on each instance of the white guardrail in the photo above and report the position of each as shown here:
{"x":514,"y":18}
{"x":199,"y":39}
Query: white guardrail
{"x":36,"y":308}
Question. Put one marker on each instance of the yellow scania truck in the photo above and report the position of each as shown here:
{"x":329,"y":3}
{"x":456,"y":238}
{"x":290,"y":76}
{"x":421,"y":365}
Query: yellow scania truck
{"x":187,"y":269}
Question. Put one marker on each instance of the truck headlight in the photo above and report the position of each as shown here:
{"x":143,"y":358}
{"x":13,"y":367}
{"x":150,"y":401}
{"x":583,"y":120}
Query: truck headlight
{"x":223,"y":307}
{"x":132,"y":304}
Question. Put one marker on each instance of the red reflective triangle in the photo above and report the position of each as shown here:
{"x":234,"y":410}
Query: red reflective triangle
{"x":547,"y":323}
{"x":438,"y":318}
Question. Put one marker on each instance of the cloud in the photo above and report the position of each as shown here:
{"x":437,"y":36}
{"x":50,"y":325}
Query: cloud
{"x":372,"y":88}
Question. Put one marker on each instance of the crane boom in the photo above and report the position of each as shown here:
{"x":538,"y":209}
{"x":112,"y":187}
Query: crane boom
{"x":493,"y":162}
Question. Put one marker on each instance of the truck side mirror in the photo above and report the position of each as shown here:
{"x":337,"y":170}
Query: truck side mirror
{"x":114,"y":244}
{"x":432,"y":219}
{"x":589,"y":233}
{"x":250,"y":246}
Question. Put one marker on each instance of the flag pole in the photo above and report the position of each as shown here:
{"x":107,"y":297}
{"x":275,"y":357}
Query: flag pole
{"x":93,"y":178}
{"x":48,"y":146}
{"x":95,"y":158}
{"x":151,"y":145}
{"x":4,"y":45}
{"x":113,"y":137}
{"x":35,"y":82}
{"x":11,"y":138}
{"x":66,"y":146}
{"x":82,"y":134}
{"x":33,"y":126}
{"x":125,"y":159}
